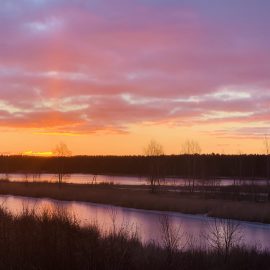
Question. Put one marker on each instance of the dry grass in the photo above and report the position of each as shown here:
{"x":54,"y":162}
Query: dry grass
{"x":141,"y":199}
{"x":54,"y":240}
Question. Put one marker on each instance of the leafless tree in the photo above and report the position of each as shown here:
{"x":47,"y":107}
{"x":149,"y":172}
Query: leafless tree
{"x":266,"y":143}
{"x":154,"y":152}
{"x":121,"y":227}
{"x":191,"y":148}
{"x":94,"y":180}
{"x":171,"y":235}
{"x":113,"y":214}
{"x":61,"y":151}
{"x":26,"y":177}
{"x":172,"y":238}
{"x":154,"y":149}
{"x":223,"y":235}
{"x":36,"y":176}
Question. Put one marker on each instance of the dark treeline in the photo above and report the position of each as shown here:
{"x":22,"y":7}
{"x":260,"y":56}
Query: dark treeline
{"x":193,"y":166}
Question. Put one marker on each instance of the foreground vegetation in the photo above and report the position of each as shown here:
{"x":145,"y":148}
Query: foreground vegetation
{"x":54,"y":240}
{"x":136,"y":197}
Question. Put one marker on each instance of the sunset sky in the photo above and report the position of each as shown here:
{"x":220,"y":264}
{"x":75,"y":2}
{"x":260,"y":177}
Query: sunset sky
{"x":107,"y":76}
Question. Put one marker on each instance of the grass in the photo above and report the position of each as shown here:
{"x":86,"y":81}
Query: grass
{"x":141,"y":199}
{"x":54,"y":240}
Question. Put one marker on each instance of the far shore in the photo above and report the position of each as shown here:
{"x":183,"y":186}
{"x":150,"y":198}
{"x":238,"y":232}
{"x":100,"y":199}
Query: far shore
{"x":5,"y":176}
{"x":141,"y":199}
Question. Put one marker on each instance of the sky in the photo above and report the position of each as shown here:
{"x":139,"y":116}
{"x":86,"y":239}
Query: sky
{"x":107,"y":76}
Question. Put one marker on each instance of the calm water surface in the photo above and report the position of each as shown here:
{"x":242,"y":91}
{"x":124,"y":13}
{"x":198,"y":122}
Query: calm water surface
{"x":119,"y":180}
{"x":146,"y":223}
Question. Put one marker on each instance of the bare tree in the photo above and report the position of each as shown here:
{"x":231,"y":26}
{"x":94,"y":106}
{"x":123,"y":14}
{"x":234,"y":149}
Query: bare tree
{"x":121,"y":227}
{"x":154,"y":152}
{"x":223,"y":235}
{"x":113,"y":214}
{"x":171,"y":235}
{"x":191,"y":148}
{"x":26,"y":177}
{"x":94,"y":180}
{"x":36,"y":176}
{"x":153,"y":149}
{"x":266,"y":143}
{"x":172,"y":238}
{"x":61,"y":151}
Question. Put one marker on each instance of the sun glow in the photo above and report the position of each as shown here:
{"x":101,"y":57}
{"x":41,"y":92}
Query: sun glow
{"x":38,"y":154}
{"x":108,"y":79}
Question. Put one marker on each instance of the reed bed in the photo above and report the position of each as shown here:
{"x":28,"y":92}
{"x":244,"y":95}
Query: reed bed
{"x":53,"y":239}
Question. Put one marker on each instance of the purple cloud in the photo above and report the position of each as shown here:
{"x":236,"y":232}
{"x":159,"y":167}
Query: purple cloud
{"x":86,"y":67}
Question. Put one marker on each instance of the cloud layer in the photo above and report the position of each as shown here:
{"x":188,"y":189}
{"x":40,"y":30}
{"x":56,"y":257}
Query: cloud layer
{"x":88,"y":66}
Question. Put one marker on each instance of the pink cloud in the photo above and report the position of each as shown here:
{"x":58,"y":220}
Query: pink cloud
{"x":83,"y":68}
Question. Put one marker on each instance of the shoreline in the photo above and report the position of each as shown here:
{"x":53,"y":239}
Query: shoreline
{"x":141,"y":199}
{"x":58,"y":236}
{"x":198,"y":217}
{"x":142,"y":176}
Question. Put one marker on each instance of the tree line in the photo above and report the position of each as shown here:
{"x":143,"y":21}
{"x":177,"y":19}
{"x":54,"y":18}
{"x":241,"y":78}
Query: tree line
{"x":190,"y":166}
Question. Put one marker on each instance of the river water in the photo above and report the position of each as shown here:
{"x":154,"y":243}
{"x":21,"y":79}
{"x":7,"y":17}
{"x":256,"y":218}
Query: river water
{"x":118,"y":180}
{"x":192,"y":228}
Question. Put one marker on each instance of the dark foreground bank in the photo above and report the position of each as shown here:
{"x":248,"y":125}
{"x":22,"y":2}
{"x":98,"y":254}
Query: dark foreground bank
{"x":54,"y":240}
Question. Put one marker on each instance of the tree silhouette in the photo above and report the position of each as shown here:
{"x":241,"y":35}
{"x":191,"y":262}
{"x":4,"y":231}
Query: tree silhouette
{"x":191,"y":148}
{"x":154,"y":152}
{"x":266,"y":143}
{"x":61,"y":151}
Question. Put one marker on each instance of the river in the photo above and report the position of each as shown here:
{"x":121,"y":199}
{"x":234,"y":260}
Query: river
{"x":118,"y":180}
{"x":146,"y":223}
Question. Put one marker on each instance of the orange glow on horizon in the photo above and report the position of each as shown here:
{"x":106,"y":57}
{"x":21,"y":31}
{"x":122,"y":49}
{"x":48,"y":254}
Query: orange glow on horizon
{"x":130,"y":143}
{"x":168,"y":71}
{"x":38,"y":154}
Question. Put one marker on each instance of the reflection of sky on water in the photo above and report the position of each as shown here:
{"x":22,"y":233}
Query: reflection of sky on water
{"x":145,"y":222}
{"x":122,"y":180}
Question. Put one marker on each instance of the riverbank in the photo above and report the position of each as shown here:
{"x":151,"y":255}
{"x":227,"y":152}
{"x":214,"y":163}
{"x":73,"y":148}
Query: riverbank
{"x":134,"y":197}
{"x":29,"y":239}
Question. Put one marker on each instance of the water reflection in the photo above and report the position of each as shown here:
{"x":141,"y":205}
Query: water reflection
{"x":145,"y":222}
{"x":119,"y":180}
